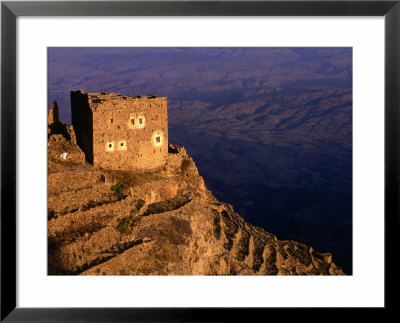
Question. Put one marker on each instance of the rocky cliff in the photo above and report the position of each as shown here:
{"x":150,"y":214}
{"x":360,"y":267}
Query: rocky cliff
{"x":103,"y":222}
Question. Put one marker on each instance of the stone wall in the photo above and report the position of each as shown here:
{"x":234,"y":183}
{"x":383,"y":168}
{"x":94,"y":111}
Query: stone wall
{"x":71,"y":134}
{"x":82,"y":121}
{"x":53,"y":116}
{"x":129,"y":133}
{"x":58,"y":182}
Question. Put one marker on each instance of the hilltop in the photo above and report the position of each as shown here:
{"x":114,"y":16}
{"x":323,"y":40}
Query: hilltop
{"x":164,"y":222}
{"x":270,"y":129}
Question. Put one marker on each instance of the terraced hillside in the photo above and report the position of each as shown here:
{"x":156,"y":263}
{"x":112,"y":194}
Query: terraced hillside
{"x":166,"y":222}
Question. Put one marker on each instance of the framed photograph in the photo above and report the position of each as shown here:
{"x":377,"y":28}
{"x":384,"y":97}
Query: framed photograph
{"x":163,"y":159}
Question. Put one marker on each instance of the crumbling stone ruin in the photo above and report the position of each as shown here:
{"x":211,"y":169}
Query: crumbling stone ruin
{"x":55,"y":127}
{"x":61,"y":139}
{"x":120,"y":132}
{"x":53,"y":116}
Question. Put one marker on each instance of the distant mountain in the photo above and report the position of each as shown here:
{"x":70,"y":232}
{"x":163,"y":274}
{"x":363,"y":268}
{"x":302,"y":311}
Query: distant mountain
{"x":277,"y":89}
{"x":270,"y":129}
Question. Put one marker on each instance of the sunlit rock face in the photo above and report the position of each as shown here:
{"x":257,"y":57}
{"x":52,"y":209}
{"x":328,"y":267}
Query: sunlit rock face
{"x":270,"y":129}
{"x":164,"y":222}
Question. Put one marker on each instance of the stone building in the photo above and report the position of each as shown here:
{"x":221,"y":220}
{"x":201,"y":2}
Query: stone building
{"x":121,"y":132}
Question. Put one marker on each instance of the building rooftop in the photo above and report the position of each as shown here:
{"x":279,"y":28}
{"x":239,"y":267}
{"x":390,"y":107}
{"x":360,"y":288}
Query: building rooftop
{"x":104,"y":96}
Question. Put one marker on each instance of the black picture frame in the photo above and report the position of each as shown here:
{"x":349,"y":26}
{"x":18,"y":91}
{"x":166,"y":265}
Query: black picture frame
{"x":10,"y":10}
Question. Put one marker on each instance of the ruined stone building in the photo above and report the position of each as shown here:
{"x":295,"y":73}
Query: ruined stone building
{"x":121,"y":132}
{"x":53,"y":115}
{"x":55,"y":127}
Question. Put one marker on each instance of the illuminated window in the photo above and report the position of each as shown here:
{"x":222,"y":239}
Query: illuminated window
{"x":157,"y":138}
{"x":131,"y":123}
{"x":110,"y":146}
{"x":141,"y":121}
{"x":122,"y":145}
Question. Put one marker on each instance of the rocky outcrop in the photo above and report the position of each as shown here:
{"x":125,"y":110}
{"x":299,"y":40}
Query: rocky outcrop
{"x":62,"y":140}
{"x":165,"y":222}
